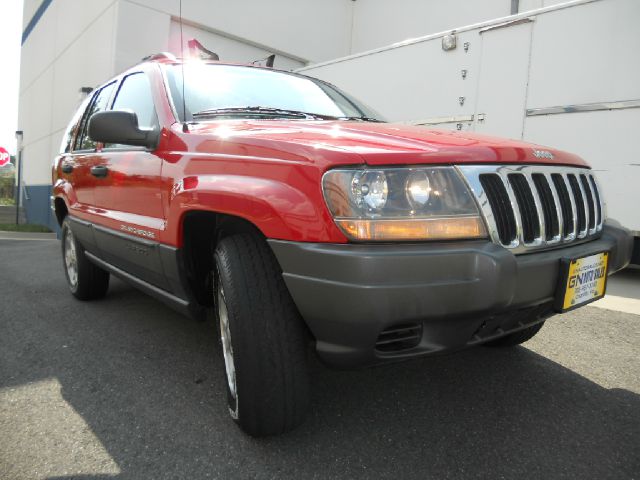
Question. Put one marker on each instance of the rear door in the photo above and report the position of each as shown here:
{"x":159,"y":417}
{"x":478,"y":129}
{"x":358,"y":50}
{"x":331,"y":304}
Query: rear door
{"x":77,"y":162}
{"x":66,"y":160}
{"x":128,"y":191}
{"x":84,"y":155}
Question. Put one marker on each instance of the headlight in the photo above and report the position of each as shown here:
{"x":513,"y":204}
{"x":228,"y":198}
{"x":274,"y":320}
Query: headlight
{"x":418,"y":189}
{"x":425,"y":203}
{"x":369,"y":189}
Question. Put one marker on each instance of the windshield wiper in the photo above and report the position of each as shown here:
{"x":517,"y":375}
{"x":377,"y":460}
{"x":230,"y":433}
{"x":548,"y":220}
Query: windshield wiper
{"x":275,"y":112}
{"x":362,"y":119}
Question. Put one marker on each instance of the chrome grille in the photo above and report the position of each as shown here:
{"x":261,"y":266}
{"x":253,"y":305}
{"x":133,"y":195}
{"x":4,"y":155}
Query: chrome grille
{"x":534,"y":207}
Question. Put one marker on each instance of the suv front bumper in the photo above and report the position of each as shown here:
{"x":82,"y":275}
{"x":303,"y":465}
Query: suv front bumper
{"x":457,"y":293}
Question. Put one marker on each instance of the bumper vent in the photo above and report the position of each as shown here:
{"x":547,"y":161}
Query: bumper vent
{"x":534,"y":207}
{"x":398,"y":338}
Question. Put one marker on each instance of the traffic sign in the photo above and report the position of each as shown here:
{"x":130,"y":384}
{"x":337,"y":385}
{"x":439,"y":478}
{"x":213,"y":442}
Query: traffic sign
{"x":5,"y":158}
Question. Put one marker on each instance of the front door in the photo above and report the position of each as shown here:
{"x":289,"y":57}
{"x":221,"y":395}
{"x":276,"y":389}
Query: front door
{"x":127,"y":192}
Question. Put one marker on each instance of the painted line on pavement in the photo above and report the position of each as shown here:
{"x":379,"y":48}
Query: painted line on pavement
{"x":619,"y":304}
{"x":28,"y":239}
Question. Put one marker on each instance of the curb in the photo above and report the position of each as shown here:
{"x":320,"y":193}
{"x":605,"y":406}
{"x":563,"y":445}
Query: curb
{"x":26,"y":236}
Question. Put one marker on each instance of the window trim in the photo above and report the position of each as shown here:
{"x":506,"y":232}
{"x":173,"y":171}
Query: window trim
{"x":360,"y":107}
{"x":71,"y":132}
{"x":84,"y":122}
{"x":112,"y":101}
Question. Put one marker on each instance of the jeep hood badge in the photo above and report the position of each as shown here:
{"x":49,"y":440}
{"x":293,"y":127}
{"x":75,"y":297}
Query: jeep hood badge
{"x":543,"y":154}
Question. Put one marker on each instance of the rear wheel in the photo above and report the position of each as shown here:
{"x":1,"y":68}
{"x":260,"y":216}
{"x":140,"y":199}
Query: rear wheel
{"x":86,"y":281}
{"x":515,"y":338}
{"x":263,"y":338}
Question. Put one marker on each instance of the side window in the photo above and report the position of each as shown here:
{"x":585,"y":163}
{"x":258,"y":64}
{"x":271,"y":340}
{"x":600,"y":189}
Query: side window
{"x":135,"y":94}
{"x":74,"y":126}
{"x":98,"y":103}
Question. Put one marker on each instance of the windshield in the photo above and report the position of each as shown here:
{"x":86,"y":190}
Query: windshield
{"x":210,"y":87}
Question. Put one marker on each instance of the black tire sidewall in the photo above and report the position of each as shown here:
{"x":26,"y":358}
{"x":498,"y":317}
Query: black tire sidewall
{"x":267,"y":337}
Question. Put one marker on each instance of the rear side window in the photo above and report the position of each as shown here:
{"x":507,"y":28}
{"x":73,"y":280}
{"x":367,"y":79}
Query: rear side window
{"x":74,"y":126}
{"x":135,"y":94}
{"x":98,"y":103}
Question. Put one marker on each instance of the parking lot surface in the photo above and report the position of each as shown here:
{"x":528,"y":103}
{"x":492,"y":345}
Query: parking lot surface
{"x":125,"y":388}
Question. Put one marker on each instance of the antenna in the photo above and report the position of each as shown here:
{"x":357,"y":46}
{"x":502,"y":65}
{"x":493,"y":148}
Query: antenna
{"x":185,"y":126}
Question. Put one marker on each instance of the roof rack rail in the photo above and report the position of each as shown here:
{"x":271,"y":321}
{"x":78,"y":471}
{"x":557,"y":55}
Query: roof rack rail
{"x":265,"y":62}
{"x":197,"y":50}
{"x":160,"y":56}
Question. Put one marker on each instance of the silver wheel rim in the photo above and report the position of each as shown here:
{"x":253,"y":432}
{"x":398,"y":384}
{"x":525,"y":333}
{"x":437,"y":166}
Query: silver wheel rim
{"x":227,"y":348}
{"x":71,"y":258}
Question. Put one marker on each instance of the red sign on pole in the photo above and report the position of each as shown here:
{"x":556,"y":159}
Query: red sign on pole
{"x":5,"y":158}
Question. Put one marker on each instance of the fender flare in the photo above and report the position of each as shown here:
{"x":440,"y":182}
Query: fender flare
{"x":276,"y":208}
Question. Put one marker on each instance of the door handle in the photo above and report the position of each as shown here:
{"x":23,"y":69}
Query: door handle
{"x":99,"y":171}
{"x":67,"y":168}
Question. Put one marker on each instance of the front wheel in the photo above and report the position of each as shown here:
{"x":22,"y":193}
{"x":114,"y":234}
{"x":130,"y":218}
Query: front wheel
{"x":263,"y":338}
{"x":86,"y":281}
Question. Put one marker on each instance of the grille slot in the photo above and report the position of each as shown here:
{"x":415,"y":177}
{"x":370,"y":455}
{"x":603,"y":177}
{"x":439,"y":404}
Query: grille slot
{"x":552,"y":226}
{"x":531,"y":207}
{"x":399,"y":338}
{"x":501,"y":207}
{"x":579,"y":201}
{"x":590,"y":202}
{"x":596,"y":194}
{"x":527,"y":206}
{"x":565,"y":204}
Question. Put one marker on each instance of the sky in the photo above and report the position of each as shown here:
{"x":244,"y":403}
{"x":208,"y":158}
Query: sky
{"x":10,"y":36}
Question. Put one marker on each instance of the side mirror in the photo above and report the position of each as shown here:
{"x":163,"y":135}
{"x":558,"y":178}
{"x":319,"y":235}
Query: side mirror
{"x":121,"y":126}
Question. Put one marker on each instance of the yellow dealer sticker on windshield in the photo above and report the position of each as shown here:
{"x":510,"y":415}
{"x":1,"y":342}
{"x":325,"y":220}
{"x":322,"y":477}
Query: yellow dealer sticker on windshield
{"x":586,"y":280}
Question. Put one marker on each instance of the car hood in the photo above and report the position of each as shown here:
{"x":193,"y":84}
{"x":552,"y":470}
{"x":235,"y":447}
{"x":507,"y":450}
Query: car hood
{"x":371,"y":143}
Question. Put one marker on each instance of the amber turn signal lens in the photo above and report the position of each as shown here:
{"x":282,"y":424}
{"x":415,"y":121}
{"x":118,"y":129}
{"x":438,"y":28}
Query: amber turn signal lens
{"x":444,"y":228}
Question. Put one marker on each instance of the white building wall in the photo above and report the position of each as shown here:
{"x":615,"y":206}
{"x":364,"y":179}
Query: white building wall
{"x":581,"y":53}
{"x":526,"y":5}
{"x":58,"y":58}
{"x":140,"y":31}
{"x":591,"y":57}
{"x":310,"y":30}
{"x":377,"y":23}
{"x":226,"y":47}
{"x":162,"y":34}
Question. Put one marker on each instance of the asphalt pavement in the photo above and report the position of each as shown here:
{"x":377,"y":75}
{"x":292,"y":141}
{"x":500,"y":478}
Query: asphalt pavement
{"x":125,"y":388}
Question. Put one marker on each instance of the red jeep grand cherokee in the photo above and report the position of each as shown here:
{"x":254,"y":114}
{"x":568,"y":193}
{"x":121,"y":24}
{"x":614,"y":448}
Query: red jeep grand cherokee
{"x":297,"y":216}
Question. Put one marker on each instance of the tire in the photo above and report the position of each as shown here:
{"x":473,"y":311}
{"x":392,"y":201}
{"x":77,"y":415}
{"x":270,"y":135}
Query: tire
{"x":515,"y":338}
{"x":86,"y":281}
{"x":263,"y":338}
